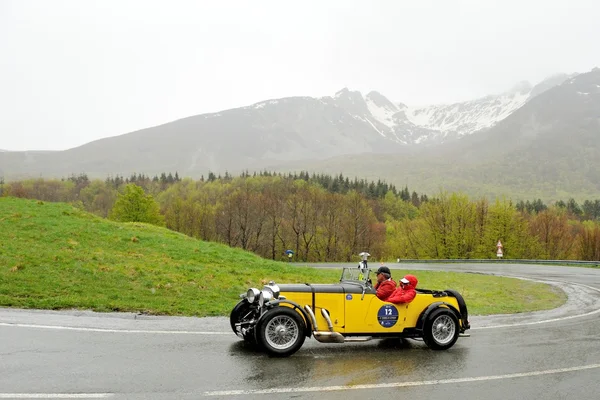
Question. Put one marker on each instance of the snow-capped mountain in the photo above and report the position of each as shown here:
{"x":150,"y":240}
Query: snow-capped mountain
{"x":438,"y":123}
{"x":548,"y":148}
{"x":459,"y":119}
{"x":278,"y":131}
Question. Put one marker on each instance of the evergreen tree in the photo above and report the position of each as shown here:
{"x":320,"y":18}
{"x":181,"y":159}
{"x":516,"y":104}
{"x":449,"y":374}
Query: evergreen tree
{"x":414,"y":199}
{"x":560,"y":204}
{"x":538,"y":206}
{"x":591,"y":210}
{"x":405,"y":194}
{"x":573,"y":208}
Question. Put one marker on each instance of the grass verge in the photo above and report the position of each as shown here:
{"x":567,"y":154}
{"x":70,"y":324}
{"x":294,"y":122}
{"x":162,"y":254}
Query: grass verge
{"x":54,"y":256}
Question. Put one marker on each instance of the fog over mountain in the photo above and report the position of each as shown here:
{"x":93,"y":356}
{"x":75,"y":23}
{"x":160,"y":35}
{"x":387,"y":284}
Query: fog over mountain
{"x":547,"y":148}
{"x":348,"y":129}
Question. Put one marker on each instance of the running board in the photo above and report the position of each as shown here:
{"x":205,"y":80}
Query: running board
{"x":336,"y":337}
{"x":358,"y":339}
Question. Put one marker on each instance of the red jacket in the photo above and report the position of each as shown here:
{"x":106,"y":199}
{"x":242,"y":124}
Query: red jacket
{"x":405,"y":294}
{"x":385,"y":289}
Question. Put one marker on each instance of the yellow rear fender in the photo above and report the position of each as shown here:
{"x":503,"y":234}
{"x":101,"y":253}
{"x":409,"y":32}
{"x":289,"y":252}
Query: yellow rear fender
{"x":434,"y":306}
{"x":292,"y":304}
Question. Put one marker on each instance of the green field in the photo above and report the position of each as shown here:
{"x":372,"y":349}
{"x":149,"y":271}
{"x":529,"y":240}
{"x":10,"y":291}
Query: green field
{"x":55,"y":256}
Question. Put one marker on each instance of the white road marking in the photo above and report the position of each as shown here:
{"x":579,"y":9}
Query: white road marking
{"x":74,"y":328}
{"x":545,"y":321}
{"x":400,"y":384}
{"x":55,"y":395}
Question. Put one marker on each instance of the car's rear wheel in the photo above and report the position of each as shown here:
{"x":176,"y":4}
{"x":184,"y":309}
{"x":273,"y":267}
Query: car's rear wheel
{"x":441,"y":329}
{"x":280,"y":331}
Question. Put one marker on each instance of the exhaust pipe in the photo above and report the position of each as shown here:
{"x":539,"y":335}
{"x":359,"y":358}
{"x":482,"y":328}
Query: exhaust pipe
{"x":326,"y":316}
{"x":312,"y":317}
{"x":328,"y":337}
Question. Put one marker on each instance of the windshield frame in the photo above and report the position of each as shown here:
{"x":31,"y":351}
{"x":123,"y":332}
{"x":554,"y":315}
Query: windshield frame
{"x":355,"y":275}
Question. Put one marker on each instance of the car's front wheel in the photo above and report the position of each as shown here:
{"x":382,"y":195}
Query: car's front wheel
{"x":241,"y":310}
{"x":441,"y":329}
{"x":281,"y":331}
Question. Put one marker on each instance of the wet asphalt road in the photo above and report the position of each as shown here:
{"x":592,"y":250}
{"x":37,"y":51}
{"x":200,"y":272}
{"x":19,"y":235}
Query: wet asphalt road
{"x":126,"y":356}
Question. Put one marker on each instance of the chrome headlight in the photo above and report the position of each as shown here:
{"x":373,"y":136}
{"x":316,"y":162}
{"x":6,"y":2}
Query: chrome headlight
{"x":264,"y":297}
{"x":252,"y":294}
{"x":274,"y":289}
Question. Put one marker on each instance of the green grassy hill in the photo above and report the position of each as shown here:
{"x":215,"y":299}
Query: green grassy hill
{"x":54,"y":256}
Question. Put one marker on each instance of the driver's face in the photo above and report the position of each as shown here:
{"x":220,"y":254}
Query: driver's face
{"x":380,"y":277}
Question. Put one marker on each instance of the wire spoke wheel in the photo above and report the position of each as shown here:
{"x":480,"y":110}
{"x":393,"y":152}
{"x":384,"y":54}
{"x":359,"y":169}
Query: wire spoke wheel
{"x":282,"y":332}
{"x":443,"y":329}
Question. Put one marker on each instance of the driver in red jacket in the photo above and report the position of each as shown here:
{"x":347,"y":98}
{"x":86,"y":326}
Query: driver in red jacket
{"x":406,"y":292}
{"x":385,"y":285}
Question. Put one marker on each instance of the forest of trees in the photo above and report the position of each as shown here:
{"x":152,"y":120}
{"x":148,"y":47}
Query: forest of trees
{"x":332,"y":218}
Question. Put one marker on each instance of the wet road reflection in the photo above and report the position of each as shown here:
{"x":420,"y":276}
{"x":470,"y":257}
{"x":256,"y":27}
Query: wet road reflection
{"x":341,"y":364}
{"x":556,"y":360}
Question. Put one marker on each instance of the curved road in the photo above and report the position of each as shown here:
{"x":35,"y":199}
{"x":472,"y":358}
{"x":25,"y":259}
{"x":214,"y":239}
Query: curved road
{"x":547,"y":355}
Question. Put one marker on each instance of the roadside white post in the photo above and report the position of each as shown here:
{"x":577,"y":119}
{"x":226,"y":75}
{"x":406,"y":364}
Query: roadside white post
{"x":499,"y":253}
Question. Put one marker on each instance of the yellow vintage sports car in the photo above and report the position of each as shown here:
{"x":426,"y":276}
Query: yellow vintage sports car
{"x":279,"y":318}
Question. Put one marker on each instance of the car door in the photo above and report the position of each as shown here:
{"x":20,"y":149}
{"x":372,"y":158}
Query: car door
{"x":365,"y":313}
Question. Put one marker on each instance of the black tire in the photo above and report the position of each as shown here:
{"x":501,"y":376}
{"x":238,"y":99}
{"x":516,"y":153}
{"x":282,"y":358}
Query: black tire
{"x":281,"y":331}
{"x":239,"y":311}
{"x":441,"y":329}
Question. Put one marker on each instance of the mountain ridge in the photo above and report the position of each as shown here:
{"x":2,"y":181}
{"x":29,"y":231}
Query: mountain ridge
{"x":548,"y":148}
{"x":300,"y":131}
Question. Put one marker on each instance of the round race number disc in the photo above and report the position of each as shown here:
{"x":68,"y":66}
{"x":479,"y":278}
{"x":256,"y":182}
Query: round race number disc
{"x":387,"y":316}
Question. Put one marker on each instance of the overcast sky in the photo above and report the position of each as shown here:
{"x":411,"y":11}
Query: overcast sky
{"x":75,"y":71}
